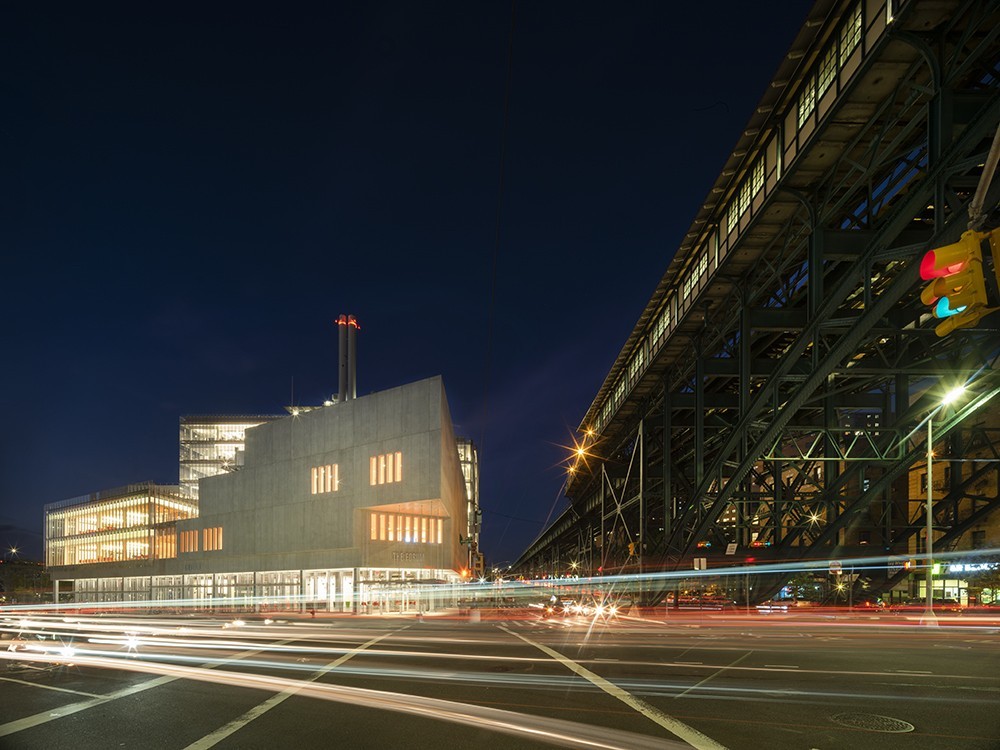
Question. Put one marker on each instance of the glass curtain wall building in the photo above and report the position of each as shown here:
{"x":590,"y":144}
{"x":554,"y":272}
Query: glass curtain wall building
{"x":136,"y":522}
{"x":468,"y":457}
{"x":211,"y":445}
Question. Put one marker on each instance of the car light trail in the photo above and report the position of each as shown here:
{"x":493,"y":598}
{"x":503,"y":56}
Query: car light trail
{"x":553,"y":731}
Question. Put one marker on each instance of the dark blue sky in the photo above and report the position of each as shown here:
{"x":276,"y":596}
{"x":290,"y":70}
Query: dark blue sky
{"x":189,"y":201}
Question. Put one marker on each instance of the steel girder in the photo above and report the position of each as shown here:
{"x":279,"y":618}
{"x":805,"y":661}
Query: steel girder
{"x":750,"y":422}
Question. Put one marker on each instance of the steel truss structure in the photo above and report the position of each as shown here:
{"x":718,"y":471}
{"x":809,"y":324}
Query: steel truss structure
{"x":773,"y":396}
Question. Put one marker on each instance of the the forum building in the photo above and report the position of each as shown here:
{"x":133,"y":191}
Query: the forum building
{"x":359,"y":505}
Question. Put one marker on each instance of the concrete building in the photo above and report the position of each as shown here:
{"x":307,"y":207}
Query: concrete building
{"x":357,"y":505}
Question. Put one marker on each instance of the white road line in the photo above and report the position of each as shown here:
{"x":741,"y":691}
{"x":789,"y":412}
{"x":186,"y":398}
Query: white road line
{"x":211,"y":740}
{"x":713,"y":675}
{"x":19,"y":725}
{"x":782,"y":666}
{"x":50,"y":687}
{"x":676,"y":727}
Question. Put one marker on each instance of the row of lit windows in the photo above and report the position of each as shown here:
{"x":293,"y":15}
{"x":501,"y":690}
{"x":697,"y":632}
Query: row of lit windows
{"x":849,"y":38}
{"x":93,"y":518}
{"x":119,"y":547}
{"x":165,"y":546}
{"x":767,"y":166}
{"x":325,"y":478}
{"x":386,"y":468}
{"x":110,"y":552}
{"x":212,"y":539}
{"x":188,"y":541}
{"x":391,"y":527}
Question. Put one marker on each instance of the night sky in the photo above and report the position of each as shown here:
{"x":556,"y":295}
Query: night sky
{"x":189,"y":201}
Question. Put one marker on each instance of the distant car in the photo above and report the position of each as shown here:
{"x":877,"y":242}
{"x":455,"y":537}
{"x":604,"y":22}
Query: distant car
{"x":873,"y":603}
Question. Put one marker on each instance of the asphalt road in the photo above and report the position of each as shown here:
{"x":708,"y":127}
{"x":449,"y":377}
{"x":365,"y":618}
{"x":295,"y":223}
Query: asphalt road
{"x":512,"y":680}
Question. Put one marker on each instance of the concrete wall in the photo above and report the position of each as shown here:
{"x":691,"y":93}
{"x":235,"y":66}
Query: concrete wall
{"x":272,"y":521}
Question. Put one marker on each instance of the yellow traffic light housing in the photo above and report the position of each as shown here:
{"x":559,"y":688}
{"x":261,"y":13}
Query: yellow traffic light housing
{"x":964,"y":284}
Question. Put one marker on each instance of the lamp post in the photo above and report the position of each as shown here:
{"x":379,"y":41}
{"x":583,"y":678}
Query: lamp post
{"x":950,"y":397}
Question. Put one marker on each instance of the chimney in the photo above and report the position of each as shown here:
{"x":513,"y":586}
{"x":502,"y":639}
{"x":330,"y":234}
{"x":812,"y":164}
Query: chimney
{"x":342,"y":354}
{"x":352,"y":356}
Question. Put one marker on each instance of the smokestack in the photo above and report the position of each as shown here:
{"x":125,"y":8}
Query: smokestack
{"x":352,"y":356}
{"x":342,"y":354}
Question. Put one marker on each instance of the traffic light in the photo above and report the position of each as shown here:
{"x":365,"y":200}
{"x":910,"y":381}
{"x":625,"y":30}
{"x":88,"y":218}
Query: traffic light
{"x":963,"y":280}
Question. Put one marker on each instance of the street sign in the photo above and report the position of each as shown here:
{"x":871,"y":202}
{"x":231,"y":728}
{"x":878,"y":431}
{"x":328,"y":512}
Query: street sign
{"x":731,"y":548}
{"x":836,"y":567}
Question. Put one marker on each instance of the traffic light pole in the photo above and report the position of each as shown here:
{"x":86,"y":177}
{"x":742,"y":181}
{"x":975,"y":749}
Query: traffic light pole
{"x":976,"y":215}
{"x":929,"y":617}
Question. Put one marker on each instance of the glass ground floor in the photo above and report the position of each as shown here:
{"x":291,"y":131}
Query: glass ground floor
{"x":358,"y":590}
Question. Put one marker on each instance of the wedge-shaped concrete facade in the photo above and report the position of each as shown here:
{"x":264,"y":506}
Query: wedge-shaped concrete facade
{"x":358,"y":504}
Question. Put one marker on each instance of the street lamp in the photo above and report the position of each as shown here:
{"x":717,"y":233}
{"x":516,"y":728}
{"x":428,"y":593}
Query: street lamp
{"x":949,"y":398}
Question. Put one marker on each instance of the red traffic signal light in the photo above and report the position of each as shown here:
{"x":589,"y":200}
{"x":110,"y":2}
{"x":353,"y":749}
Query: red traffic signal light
{"x":963,"y":284}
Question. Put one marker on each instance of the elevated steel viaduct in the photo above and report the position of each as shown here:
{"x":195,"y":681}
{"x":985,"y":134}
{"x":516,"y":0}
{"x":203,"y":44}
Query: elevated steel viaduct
{"x":775,"y":391}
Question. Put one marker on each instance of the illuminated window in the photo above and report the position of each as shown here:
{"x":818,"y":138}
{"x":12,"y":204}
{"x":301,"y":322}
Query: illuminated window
{"x":757,"y":178}
{"x":828,"y":69}
{"x":807,"y":101}
{"x":165,"y":545}
{"x":189,"y":541}
{"x":386,"y":468}
{"x":662,"y":322}
{"x":325,"y":479}
{"x":212,"y":539}
{"x":850,"y":34}
{"x":407,"y":529}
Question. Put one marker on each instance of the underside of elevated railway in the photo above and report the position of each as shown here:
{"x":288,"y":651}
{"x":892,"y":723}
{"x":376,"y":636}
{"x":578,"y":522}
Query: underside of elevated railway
{"x":772,"y":403}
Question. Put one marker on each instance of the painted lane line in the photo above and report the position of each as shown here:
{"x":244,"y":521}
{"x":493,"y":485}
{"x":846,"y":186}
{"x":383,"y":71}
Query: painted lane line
{"x":19,"y":725}
{"x":782,"y":666}
{"x":212,"y":739}
{"x":713,"y":675}
{"x":676,"y":727}
{"x":50,"y":687}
